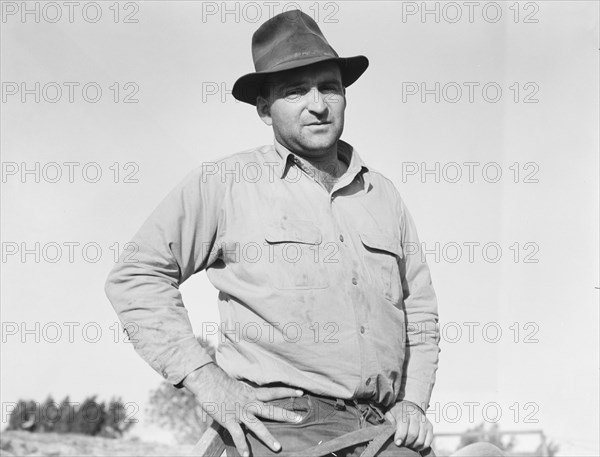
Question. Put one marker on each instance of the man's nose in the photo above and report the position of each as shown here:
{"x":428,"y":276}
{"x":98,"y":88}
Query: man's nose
{"x":316,"y":101}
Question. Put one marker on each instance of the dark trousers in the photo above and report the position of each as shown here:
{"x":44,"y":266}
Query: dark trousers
{"x":323,"y":419}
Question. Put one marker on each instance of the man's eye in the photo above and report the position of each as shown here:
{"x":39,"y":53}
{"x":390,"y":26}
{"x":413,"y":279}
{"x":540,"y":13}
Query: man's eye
{"x":295,"y":92}
{"x":333,"y":89}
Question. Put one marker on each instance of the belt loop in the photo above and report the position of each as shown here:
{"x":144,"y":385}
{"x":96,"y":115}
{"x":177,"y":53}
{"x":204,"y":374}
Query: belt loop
{"x":339,"y":404}
{"x":380,"y":415}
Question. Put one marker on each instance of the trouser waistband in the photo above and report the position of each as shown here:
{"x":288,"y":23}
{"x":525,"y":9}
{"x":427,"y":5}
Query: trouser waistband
{"x":369,"y":409}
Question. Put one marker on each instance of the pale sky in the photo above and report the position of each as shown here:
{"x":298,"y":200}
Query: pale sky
{"x":533,"y":230}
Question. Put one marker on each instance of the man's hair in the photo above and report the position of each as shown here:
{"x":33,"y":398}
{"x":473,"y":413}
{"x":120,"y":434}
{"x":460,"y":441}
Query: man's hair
{"x":267,"y":88}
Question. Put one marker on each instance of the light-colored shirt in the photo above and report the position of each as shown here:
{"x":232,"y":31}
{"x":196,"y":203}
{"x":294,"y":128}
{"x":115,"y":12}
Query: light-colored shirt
{"x":315,"y":290}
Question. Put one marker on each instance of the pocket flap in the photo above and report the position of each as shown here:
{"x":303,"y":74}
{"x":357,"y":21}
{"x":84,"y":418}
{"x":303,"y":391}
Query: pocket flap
{"x":382,"y":242}
{"x":293,"y":232}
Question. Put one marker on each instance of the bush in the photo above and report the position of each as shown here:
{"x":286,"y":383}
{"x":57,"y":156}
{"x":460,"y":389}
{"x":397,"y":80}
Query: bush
{"x":87,"y":418}
{"x":178,"y":410}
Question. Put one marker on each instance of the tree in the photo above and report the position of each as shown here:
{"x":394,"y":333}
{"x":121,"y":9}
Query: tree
{"x":179,"y":411}
{"x":49,"y":415}
{"x":89,"y":418}
{"x":116,"y":422}
{"x":66,"y":416}
{"x":18,"y":416}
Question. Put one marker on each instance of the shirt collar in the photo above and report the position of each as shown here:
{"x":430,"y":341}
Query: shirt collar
{"x":285,"y":156}
{"x":345,"y":152}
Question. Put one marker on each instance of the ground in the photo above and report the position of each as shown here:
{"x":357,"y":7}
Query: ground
{"x":20,"y":443}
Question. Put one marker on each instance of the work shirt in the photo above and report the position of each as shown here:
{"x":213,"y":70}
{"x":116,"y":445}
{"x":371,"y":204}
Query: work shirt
{"x":315,"y":289}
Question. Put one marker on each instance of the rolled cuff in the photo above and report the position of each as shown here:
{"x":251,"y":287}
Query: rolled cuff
{"x":181,"y":360}
{"x":418,"y":393}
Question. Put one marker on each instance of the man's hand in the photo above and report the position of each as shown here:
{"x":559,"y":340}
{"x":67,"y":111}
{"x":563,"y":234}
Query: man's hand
{"x":232,"y":403}
{"x":413,"y":429}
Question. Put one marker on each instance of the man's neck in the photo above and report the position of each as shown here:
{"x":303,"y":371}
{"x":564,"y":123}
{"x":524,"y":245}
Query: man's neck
{"x":325,"y":168}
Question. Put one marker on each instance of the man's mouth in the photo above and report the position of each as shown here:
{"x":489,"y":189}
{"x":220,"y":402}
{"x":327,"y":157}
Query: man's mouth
{"x":318,"y":123}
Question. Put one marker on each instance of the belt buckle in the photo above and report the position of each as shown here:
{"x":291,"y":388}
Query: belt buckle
{"x":340,"y":405}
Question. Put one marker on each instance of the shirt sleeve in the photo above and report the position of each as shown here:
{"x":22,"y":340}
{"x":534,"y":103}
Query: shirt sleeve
{"x":422,"y":331}
{"x":176,"y":241}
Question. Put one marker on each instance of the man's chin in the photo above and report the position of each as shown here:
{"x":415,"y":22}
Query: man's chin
{"x":315,"y":151}
{"x":321,"y":143}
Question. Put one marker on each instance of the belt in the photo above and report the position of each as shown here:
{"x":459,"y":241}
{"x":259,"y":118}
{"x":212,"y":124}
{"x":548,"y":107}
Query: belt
{"x":367,"y":408}
{"x":378,"y":435}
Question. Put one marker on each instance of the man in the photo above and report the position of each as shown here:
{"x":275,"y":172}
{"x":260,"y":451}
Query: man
{"x":328,"y":327}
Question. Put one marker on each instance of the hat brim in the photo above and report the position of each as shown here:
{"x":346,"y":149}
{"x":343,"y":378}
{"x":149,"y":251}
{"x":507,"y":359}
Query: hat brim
{"x":247,"y":88}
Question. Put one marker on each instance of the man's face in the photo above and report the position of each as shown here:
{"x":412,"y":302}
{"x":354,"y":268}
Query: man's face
{"x":306,"y":107}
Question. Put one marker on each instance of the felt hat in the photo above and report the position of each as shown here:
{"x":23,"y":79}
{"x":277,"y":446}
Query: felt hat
{"x":290,"y":40}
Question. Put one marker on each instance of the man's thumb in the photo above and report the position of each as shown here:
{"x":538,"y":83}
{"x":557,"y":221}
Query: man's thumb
{"x":389,"y":416}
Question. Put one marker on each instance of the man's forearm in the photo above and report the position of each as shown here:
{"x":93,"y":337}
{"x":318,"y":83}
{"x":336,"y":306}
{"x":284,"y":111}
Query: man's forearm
{"x":158,"y":326}
{"x":174,"y":243}
{"x":422,"y":333}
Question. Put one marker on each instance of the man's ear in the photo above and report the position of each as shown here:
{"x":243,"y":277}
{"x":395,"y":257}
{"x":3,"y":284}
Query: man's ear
{"x":264,"y":110}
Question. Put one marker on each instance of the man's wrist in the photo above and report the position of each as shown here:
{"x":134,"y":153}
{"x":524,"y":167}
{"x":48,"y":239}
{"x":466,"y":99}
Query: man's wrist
{"x":193,"y":380}
{"x":412,"y":404}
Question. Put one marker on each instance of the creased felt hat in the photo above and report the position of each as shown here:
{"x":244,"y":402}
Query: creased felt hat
{"x":290,"y":40}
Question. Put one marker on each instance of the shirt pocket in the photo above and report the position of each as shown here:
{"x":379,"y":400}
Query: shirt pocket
{"x":294,"y":248}
{"x":383,"y":252}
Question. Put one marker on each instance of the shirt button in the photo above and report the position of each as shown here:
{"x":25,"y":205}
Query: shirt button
{"x":342,"y":238}
{"x":362,"y":329}
{"x":368,"y":381}
{"x":354,"y":281}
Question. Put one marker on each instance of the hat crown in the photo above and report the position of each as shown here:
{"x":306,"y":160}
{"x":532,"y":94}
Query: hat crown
{"x":289,"y":36}
{"x":287,"y":41}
